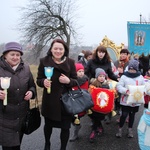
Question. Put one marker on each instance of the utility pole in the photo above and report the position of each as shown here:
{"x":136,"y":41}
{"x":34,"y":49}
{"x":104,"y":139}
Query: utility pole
{"x":140,"y":18}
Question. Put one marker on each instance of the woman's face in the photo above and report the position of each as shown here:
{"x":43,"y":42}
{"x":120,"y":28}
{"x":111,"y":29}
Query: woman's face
{"x":58,"y":51}
{"x":123,"y":56}
{"x":101,"y":55}
{"x":13,"y":58}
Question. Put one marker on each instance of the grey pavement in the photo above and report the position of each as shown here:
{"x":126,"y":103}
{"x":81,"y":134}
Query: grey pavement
{"x":107,"y":141}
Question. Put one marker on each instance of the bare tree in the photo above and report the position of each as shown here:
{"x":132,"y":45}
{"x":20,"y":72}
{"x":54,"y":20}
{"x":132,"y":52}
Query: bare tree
{"x":44,"y":20}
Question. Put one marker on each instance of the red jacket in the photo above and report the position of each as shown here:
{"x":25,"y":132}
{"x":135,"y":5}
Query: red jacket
{"x":83,"y":86}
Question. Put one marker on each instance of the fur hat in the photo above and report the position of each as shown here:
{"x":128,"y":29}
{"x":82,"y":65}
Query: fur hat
{"x":99,"y":71}
{"x":13,"y":46}
{"x":79,"y":66}
{"x":133,"y":64}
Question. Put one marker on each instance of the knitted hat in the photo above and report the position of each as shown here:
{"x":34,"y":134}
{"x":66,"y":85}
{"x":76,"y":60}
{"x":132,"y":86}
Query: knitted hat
{"x":133,"y":64}
{"x":79,"y":66}
{"x":13,"y":46}
{"x":99,"y":71}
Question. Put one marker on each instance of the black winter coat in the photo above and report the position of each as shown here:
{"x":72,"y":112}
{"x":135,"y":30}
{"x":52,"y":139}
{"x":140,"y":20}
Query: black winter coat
{"x":52,"y":107}
{"x":93,"y":64}
{"x":12,"y":116}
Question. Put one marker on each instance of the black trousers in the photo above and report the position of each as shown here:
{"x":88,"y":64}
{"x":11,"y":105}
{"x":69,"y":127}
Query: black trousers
{"x":64,"y":135}
{"x":128,"y":111}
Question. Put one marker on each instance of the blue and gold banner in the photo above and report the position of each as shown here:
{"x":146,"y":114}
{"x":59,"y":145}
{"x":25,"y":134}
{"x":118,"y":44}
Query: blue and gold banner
{"x":139,"y":37}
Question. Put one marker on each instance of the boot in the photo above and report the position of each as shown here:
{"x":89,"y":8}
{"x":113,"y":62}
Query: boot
{"x":75,"y":133}
{"x":119,"y":133}
{"x":47,"y":146}
{"x":108,"y":118}
{"x":130,"y":133}
{"x":92,"y":136}
{"x":100,"y":130}
{"x":127,"y":119}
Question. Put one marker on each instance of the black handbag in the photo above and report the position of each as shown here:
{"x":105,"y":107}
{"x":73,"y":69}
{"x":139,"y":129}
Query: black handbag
{"x":77,"y":101}
{"x":32,"y":120}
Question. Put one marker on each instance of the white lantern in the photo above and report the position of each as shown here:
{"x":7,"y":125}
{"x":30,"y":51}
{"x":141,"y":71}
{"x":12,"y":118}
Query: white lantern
{"x":5,"y":83}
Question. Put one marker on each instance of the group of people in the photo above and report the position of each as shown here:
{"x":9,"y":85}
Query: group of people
{"x":91,"y":69}
{"x":126,"y":71}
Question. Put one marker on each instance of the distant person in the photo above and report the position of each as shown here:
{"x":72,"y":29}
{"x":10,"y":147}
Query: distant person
{"x":63,"y":78}
{"x":136,"y":57}
{"x":81,"y":55}
{"x":22,"y":89}
{"x":84,"y":60}
{"x":123,"y":61}
{"x":145,"y":61}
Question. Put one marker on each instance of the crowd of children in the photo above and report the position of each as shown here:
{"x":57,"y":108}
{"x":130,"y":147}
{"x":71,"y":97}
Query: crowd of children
{"x":131,"y":76}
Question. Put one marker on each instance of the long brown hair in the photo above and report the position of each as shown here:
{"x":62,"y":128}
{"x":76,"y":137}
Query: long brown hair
{"x":101,"y":49}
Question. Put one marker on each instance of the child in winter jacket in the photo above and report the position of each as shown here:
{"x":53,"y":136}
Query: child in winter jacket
{"x":84,"y":84}
{"x":97,"y":117}
{"x":130,"y":77}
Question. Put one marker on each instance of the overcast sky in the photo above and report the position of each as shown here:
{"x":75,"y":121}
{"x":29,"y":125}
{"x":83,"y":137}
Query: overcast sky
{"x":97,"y":18}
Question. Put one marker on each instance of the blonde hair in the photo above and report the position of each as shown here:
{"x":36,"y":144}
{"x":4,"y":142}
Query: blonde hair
{"x":135,"y":55}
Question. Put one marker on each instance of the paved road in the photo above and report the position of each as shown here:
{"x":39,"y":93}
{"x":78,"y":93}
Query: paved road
{"x":108,"y":141}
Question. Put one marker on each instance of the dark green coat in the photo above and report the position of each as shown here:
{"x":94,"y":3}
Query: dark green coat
{"x":12,"y":116}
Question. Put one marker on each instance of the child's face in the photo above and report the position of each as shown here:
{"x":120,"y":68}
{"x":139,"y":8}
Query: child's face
{"x":101,"y":78}
{"x":149,"y":71}
{"x":80,"y":73}
{"x":132,"y":71}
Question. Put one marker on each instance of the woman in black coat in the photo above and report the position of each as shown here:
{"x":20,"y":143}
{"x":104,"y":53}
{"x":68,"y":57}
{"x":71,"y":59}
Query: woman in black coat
{"x":63,"y":78}
{"x":100,"y":59}
{"x":22,"y":89}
